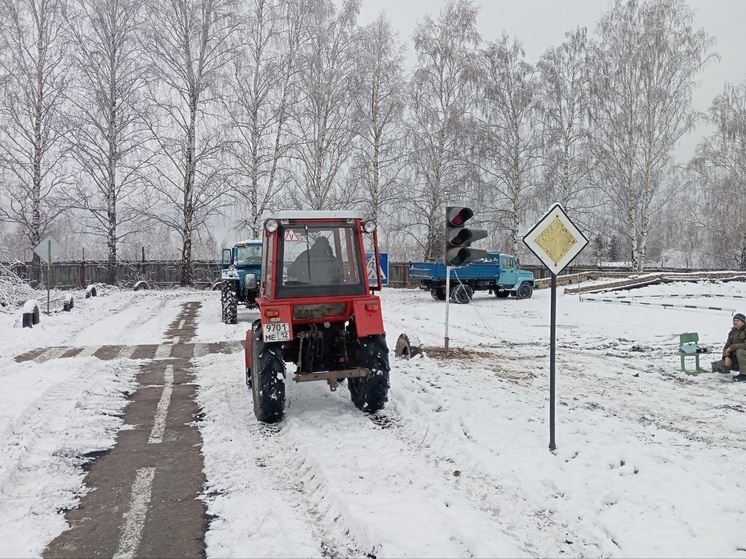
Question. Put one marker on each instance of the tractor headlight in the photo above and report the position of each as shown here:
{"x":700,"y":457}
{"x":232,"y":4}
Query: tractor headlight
{"x":369,"y":226}
{"x":231,"y":268}
{"x":271,"y":225}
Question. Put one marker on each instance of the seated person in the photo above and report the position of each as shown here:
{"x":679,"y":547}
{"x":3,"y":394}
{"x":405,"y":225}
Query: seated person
{"x":317,"y":265}
{"x":734,"y":352}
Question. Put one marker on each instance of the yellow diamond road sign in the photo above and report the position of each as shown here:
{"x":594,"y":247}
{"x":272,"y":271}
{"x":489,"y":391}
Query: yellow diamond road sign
{"x":555,"y":240}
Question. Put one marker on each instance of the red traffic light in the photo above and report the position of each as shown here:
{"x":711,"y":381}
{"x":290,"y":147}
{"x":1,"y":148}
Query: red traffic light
{"x":456,"y":217}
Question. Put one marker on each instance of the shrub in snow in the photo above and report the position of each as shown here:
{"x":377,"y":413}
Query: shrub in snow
{"x":13,"y":290}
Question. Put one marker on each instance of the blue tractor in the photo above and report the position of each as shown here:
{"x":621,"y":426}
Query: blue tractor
{"x":240,"y":270}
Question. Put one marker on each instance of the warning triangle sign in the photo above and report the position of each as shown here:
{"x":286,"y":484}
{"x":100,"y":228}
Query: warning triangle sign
{"x":371,"y":268}
{"x":291,"y":236}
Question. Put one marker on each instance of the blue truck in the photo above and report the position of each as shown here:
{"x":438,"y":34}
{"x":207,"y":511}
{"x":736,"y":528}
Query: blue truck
{"x":240,"y":271}
{"x":496,"y":273}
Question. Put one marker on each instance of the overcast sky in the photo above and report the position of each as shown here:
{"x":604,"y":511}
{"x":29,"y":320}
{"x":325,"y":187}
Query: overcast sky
{"x":541,"y":24}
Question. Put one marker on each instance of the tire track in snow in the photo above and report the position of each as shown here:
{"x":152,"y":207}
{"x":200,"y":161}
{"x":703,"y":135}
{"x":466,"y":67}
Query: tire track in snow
{"x":143,"y":308}
{"x":452,"y":521}
{"x":34,"y":434}
{"x":275,"y":474}
{"x":456,"y":444}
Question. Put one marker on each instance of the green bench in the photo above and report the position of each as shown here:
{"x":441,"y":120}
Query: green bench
{"x":689,"y":346}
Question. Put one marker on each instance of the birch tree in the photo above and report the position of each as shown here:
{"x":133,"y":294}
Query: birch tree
{"x":109,"y":126}
{"x":646,"y":63}
{"x":33,"y":48}
{"x":565,"y":77}
{"x":188,"y":49}
{"x":720,"y":168}
{"x":259,"y":105}
{"x":324,"y":115}
{"x":442,"y":94}
{"x":379,"y":105}
{"x":508,"y":142}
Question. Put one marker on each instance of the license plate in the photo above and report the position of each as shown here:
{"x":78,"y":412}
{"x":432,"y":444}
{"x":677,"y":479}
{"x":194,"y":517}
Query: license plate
{"x":277,"y":332}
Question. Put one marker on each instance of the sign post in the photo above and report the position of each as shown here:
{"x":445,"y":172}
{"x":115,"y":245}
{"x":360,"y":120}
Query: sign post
{"x":48,"y":250}
{"x":556,"y":241}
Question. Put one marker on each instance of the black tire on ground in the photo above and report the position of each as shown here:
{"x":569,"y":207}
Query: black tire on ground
{"x":35,"y":316}
{"x":502,"y":294}
{"x":90,"y":292}
{"x":229,"y":304}
{"x":524,"y":291}
{"x":407,"y":346}
{"x":371,"y":393}
{"x":438,"y":293}
{"x":462,"y":294}
{"x":140,"y":285}
{"x":267,"y":377}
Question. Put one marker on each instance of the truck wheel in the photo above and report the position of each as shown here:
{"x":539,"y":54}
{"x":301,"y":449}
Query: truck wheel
{"x":462,"y":294}
{"x":502,"y":294}
{"x":229,"y":304}
{"x":267,"y":377}
{"x":524,"y":291}
{"x":371,"y":393}
{"x":438,"y":293}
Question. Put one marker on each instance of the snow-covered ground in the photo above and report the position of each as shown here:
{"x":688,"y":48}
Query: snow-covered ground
{"x":649,"y":461}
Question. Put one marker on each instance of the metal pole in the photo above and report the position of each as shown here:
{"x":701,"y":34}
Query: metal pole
{"x":448,"y":297}
{"x":552,"y":335}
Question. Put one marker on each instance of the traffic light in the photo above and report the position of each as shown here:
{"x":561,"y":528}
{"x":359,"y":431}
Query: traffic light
{"x":458,"y":237}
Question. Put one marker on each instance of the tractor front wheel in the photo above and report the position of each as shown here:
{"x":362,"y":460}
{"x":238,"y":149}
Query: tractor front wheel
{"x":229,"y":303}
{"x":267,"y":377}
{"x":371,"y":393}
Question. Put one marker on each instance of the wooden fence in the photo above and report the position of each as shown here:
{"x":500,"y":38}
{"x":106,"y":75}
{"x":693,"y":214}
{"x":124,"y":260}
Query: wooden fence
{"x":67,"y":275}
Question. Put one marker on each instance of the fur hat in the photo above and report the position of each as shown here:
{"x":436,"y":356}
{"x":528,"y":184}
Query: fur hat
{"x":740,"y":317}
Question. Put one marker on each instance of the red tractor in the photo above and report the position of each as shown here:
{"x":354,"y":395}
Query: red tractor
{"x":317,"y":310}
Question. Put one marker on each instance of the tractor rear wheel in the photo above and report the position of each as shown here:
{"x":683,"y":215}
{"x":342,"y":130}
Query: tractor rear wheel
{"x":371,"y":393}
{"x":229,"y":303}
{"x":267,"y":377}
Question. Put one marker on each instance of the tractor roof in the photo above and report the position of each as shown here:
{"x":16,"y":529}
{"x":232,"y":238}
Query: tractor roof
{"x":315,"y":214}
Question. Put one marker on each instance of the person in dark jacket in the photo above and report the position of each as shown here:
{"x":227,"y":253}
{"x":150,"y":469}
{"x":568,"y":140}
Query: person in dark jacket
{"x":734,"y":351}
{"x":317,"y":264}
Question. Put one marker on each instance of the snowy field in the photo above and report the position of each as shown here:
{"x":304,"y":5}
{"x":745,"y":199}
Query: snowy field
{"x":649,"y":461}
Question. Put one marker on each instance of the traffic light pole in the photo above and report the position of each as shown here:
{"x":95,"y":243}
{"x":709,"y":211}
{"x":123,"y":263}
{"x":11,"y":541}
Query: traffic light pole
{"x":448,"y":296}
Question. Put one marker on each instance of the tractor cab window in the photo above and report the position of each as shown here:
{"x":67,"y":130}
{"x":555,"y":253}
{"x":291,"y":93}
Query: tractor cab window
{"x":251,"y":254}
{"x":319,"y":260}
